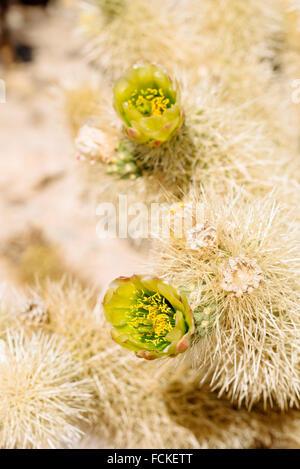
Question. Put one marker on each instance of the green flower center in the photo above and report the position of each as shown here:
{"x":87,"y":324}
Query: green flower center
{"x":153,"y":317}
{"x":150,"y":102}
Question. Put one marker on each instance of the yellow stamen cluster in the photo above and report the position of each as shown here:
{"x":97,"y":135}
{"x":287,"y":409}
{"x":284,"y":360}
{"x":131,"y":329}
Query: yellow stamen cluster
{"x":152,"y":316}
{"x":150,"y":101}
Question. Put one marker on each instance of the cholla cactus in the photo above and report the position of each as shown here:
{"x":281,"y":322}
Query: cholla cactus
{"x":185,"y":414}
{"x":148,"y":103}
{"x":246,"y":307}
{"x":217,"y":142}
{"x":123,"y":164}
{"x":240,"y":275}
{"x":34,"y":313}
{"x":148,"y":316}
{"x":133,"y":30}
{"x":43,"y":398}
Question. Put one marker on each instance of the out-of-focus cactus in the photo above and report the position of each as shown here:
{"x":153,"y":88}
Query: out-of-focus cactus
{"x":148,"y":103}
{"x":123,"y":164}
{"x":111,"y":7}
{"x":148,"y":316}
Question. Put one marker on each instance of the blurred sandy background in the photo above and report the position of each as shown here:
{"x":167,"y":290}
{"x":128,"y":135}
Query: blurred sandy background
{"x":48,"y":227}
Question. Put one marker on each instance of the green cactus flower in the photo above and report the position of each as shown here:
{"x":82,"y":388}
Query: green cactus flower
{"x":148,"y":103}
{"x":148,"y":316}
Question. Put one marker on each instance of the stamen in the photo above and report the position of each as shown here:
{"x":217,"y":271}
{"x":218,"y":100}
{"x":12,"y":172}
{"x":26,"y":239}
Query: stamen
{"x":150,"y":101}
{"x":152,"y":316}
